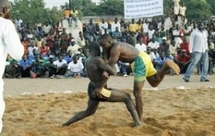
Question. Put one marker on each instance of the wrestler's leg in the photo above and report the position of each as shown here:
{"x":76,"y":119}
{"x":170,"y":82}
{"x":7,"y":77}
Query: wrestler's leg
{"x":155,"y":79}
{"x":120,"y":96}
{"x":91,"y":109}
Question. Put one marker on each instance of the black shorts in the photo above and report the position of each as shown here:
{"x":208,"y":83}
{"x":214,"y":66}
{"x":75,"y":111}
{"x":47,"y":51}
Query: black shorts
{"x":92,"y":95}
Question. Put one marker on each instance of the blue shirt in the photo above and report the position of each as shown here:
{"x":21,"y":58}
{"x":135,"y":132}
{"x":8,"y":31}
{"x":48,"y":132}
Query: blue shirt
{"x":25,"y":63}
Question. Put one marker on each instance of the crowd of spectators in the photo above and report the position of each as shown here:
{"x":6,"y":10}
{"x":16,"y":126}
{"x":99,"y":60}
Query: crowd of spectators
{"x":56,"y":54}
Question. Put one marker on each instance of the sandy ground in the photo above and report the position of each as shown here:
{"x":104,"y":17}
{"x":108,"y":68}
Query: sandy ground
{"x":37,"y":107}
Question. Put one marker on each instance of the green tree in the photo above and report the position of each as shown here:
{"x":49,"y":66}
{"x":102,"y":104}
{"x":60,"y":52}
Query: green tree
{"x":212,"y":5}
{"x":111,"y":7}
{"x":198,"y":9}
{"x":34,"y":11}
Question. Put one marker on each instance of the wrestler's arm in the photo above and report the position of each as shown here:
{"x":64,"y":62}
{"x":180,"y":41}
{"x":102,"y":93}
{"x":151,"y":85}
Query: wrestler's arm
{"x":114,"y":56}
{"x":106,"y":67}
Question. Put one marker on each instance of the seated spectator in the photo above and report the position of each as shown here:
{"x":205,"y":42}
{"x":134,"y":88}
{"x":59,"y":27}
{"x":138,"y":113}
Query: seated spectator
{"x":140,"y":46}
{"x":25,"y":42}
{"x":11,"y":69}
{"x":68,"y":56}
{"x":151,"y":54}
{"x":32,"y":47}
{"x":153,"y":44}
{"x":75,"y":68}
{"x":36,"y":67}
{"x":164,"y":46}
{"x":185,"y":45}
{"x":44,"y":49}
{"x":81,"y":40}
{"x":183,"y":60}
{"x":73,"y":48}
{"x":159,"y":61}
{"x":173,"y":47}
{"x":125,"y":68}
{"x":117,"y":35}
{"x":24,"y":67}
{"x":58,"y":67}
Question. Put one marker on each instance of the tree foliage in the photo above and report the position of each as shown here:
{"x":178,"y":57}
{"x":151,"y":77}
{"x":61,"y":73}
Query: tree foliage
{"x":34,"y":11}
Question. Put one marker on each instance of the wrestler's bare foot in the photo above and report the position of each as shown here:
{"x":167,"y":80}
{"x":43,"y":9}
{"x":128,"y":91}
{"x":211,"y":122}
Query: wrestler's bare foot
{"x":138,"y":124}
{"x":172,"y":65}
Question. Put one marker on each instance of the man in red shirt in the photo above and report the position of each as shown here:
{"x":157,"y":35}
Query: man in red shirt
{"x":185,"y":45}
{"x":183,"y":60}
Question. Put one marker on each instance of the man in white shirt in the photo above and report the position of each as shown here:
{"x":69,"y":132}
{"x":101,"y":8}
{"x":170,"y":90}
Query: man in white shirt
{"x":75,"y":68}
{"x":9,"y":44}
{"x":199,"y":51}
{"x":153,"y":44}
{"x":103,"y":26}
{"x":140,"y":46}
{"x":59,"y":69}
{"x":115,"y":24}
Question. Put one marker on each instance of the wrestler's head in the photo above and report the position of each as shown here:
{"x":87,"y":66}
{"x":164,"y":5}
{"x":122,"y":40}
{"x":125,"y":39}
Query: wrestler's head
{"x":94,"y":49}
{"x":5,"y":9}
{"x":105,"y":41}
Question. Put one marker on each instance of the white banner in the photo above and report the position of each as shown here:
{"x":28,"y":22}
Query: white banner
{"x":142,"y":8}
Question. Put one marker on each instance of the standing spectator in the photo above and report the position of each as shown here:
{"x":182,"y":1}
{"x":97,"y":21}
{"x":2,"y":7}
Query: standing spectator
{"x":145,"y":26}
{"x":103,"y":26}
{"x":9,"y":44}
{"x":90,"y":31}
{"x":115,"y":24}
{"x":133,"y":27}
{"x":199,"y":50}
{"x":63,"y":41}
{"x":74,"y":15}
{"x":151,"y":32}
{"x":66,"y":15}
{"x":176,"y":8}
{"x":182,"y":11}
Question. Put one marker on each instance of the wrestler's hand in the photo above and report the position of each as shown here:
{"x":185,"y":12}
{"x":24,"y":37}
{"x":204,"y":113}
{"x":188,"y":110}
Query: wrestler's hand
{"x":105,"y":74}
{"x":98,"y":92}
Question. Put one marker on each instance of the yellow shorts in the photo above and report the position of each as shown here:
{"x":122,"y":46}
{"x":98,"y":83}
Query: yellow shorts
{"x":142,"y":67}
{"x":106,"y":93}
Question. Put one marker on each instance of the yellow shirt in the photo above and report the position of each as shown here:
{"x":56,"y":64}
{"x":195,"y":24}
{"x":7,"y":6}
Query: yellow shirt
{"x":66,"y":13}
{"x":74,"y":14}
{"x":133,"y":27}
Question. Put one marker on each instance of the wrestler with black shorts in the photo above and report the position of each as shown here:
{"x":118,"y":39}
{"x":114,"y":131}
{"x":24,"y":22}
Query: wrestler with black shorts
{"x":98,"y":72}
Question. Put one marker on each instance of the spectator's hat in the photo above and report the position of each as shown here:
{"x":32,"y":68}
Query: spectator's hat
{"x":164,"y":38}
{"x":77,"y":52}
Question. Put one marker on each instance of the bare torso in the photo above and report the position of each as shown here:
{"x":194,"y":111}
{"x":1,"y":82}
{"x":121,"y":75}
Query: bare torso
{"x":128,"y":53}
{"x":93,"y":71}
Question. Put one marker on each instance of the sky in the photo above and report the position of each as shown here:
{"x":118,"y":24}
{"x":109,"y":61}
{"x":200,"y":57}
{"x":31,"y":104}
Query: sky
{"x":51,"y":3}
